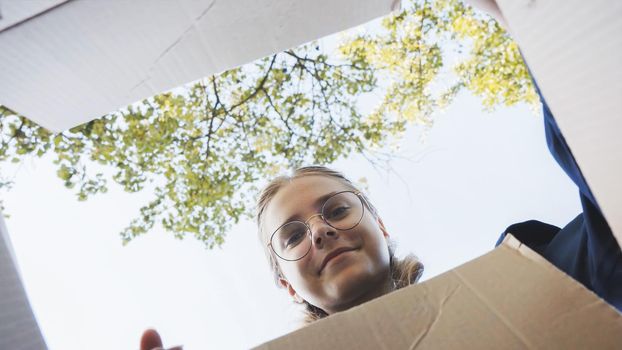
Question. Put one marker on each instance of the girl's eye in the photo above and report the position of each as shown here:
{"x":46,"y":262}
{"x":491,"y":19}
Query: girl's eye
{"x":294,"y":239}
{"x":338,"y":213}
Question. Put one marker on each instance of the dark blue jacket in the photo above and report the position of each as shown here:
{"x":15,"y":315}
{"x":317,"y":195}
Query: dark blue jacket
{"x":585,"y":248}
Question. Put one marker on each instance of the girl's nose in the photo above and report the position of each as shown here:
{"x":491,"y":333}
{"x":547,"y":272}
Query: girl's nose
{"x":320,"y":231}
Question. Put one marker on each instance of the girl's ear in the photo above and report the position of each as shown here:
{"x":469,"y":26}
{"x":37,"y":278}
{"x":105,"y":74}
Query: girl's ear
{"x":385,"y":233}
{"x":291,"y":291}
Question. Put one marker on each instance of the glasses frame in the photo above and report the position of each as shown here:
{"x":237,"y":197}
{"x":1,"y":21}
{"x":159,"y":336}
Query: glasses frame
{"x":320,"y":214}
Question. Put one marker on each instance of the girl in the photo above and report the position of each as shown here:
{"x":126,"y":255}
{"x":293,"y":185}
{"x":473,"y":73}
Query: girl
{"x":326,"y":243}
{"x":330,"y":251}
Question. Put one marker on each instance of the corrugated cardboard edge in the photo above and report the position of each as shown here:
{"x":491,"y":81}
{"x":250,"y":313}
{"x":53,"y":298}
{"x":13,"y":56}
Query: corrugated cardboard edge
{"x":511,"y":242}
{"x":37,"y":9}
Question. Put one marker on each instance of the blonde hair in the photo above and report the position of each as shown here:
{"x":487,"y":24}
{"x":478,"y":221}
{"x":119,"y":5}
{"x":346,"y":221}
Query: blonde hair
{"x":404,"y":272}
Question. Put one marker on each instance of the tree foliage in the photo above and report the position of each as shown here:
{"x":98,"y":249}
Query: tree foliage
{"x":202,"y":149}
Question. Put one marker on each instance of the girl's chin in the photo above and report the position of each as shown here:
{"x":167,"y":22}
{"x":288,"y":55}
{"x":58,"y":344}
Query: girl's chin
{"x":350,"y":280}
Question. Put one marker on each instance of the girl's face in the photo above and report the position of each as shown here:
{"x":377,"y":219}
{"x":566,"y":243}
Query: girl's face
{"x":358,"y":274}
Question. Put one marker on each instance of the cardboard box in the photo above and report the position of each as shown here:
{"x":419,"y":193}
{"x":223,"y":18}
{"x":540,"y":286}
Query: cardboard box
{"x":63,"y":63}
{"x":574,"y":50}
{"x":510,"y":298}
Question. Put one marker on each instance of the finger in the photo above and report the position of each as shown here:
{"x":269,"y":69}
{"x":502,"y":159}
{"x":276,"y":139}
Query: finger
{"x":150,"y":340}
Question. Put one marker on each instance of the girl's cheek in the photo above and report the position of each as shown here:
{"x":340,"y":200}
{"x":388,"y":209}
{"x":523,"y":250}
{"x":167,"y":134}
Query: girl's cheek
{"x":305,"y":264}
{"x":305,"y":268}
{"x":295,"y":270}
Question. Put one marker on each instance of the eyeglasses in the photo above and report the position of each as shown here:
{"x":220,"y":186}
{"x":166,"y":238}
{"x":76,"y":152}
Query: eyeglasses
{"x":342,"y":211}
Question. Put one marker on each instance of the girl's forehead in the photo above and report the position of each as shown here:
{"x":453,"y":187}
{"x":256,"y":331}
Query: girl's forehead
{"x":298,"y":198}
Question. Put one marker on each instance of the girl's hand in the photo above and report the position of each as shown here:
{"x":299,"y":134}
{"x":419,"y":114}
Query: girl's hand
{"x":151,"y":341}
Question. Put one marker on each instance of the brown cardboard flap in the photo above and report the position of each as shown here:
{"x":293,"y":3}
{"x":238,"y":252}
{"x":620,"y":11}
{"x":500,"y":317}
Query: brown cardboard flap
{"x":510,"y":298}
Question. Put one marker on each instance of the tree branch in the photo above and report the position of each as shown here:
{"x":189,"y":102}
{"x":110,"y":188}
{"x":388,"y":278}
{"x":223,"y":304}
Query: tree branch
{"x":257,"y":89}
{"x":283,"y":119}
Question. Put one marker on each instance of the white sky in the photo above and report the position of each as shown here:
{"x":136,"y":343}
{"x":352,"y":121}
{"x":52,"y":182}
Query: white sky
{"x":476,"y":174}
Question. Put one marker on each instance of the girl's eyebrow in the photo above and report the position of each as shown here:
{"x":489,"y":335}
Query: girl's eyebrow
{"x":317,"y":204}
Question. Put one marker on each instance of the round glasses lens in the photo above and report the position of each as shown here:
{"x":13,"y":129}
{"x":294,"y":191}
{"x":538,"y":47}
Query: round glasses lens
{"x":343,"y":211}
{"x":291,"y":241}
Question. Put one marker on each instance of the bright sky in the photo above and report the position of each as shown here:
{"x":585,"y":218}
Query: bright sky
{"x":447,"y":201}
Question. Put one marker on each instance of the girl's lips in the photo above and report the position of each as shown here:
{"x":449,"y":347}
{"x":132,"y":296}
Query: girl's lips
{"x":334,"y":254}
